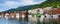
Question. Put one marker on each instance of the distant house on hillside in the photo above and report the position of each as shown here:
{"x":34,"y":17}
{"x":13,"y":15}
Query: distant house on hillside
{"x":33,"y":11}
{"x":47,"y":10}
{"x":50,"y":10}
{"x":56,"y":11}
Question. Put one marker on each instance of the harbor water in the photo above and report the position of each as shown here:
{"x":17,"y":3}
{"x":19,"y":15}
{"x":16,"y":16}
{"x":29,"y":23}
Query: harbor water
{"x":30,"y":20}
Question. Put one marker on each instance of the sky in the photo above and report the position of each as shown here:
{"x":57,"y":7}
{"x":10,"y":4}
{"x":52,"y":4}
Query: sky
{"x":9,"y":4}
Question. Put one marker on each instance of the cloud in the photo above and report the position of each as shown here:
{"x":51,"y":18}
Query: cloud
{"x":12,"y":4}
{"x":29,"y":2}
{"x":15,"y":4}
{"x":9,"y":4}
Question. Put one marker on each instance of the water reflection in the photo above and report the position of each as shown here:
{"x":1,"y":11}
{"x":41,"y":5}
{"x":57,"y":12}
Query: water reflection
{"x":12,"y":21}
{"x":30,"y":20}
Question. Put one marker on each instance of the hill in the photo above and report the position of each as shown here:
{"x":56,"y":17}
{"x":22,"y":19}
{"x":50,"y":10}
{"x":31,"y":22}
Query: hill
{"x":47,"y":3}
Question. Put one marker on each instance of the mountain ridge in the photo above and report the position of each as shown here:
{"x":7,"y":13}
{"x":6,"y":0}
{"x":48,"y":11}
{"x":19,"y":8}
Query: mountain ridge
{"x":47,"y":3}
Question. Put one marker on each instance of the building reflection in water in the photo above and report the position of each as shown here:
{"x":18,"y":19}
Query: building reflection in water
{"x":30,"y":20}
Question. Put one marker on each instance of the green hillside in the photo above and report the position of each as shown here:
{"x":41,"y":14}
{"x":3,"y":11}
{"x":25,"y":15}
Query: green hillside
{"x":47,"y":3}
{"x":50,"y":3}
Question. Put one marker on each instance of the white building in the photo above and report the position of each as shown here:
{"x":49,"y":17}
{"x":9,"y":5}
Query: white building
{"x":17,"y":15}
